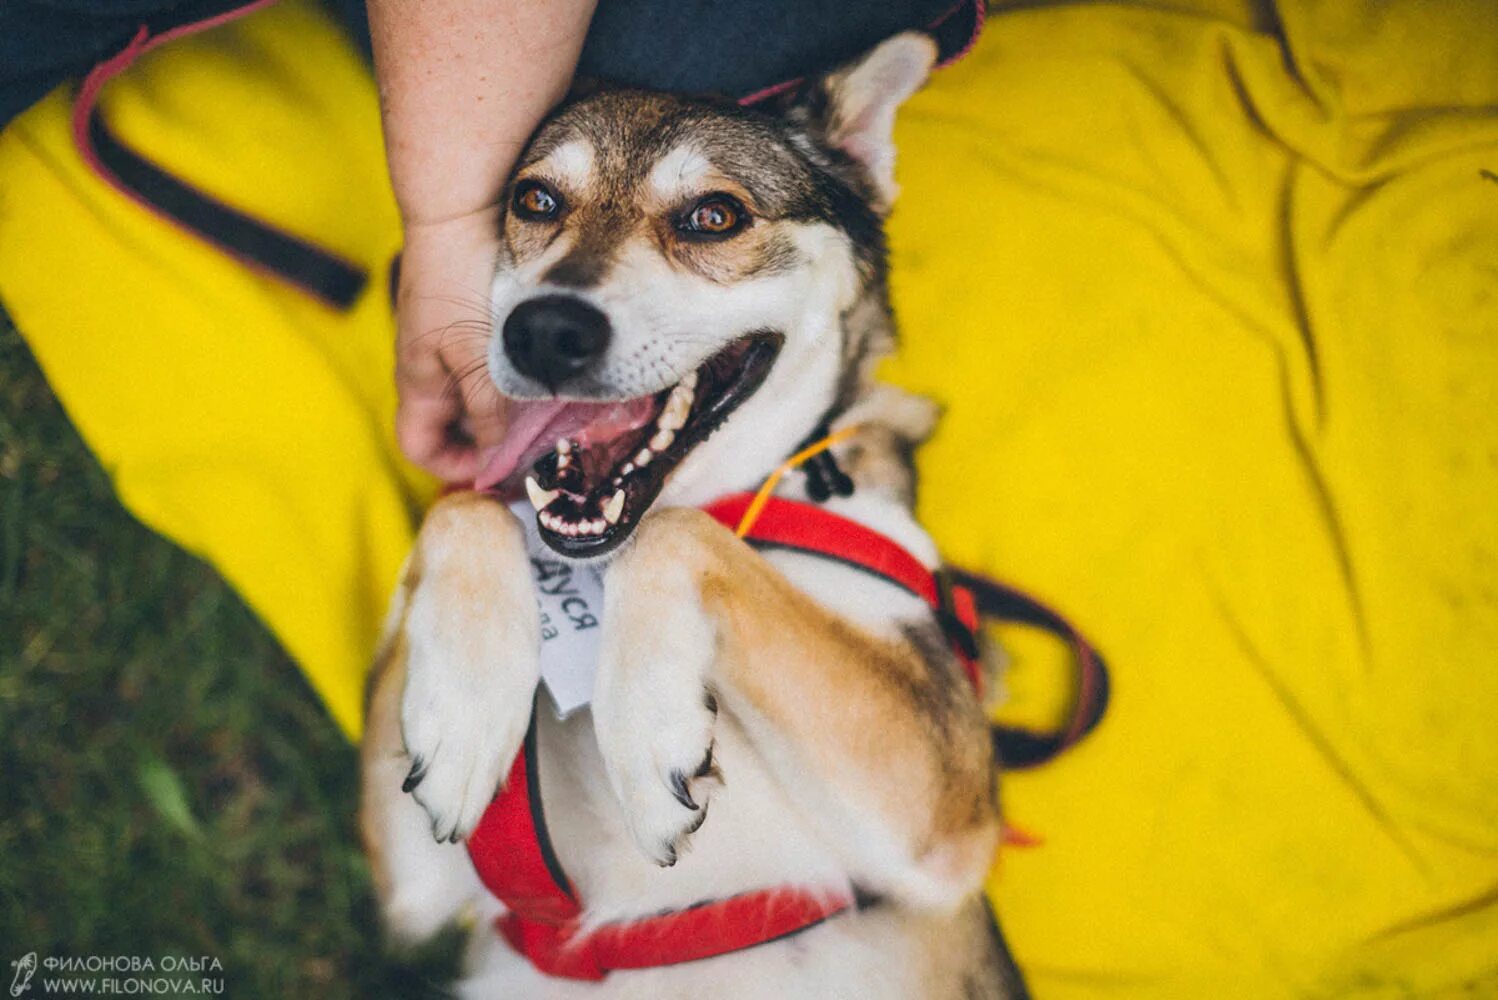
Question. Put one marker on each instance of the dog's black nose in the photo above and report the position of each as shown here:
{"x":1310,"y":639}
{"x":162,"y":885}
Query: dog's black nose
{"x":555,"y":337}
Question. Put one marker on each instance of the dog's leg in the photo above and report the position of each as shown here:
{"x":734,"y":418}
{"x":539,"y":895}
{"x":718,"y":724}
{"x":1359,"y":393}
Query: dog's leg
{"x":449,"y":701}
{"x":878,"y":741}
{"x":472,"y":635}
{"x":653,"y":707}
{"x":421,"y":885}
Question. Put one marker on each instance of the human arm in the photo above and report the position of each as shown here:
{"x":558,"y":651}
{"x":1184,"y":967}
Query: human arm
{"x":463,"y":84}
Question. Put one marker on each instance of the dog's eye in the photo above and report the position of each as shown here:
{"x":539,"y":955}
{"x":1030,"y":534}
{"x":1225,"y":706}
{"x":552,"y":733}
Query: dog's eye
{"x":536,"y":202}
{"x":714,"y":216}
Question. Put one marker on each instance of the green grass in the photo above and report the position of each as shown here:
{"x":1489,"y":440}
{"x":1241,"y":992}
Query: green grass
{"x":169,"y":785}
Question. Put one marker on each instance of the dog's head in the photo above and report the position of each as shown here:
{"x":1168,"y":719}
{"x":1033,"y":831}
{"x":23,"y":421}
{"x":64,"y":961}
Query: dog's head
{"x":686,"y":289}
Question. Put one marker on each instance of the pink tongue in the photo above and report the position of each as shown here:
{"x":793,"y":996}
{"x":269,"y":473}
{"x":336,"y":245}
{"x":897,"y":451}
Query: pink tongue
{"x":535,"y":427}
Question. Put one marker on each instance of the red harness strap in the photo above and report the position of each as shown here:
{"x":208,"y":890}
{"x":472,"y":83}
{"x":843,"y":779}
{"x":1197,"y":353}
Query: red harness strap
{"x":802,"y":527}
{"x":512,"y":852}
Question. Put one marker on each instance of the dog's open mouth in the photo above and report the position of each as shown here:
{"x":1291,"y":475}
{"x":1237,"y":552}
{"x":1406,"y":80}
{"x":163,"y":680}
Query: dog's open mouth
{"x":592,"y":470}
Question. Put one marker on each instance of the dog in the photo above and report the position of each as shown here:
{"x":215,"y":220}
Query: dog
{"x":688,"y":292}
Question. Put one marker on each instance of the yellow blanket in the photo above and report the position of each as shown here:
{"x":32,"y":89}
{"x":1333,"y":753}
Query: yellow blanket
{"x":1211,"y":292}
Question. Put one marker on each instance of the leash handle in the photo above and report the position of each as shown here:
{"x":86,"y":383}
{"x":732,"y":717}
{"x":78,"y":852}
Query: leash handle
{"x":1018,"y":748}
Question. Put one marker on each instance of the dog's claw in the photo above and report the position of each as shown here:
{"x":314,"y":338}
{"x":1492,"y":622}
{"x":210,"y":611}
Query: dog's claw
{"x":414,"y":776}
{"x":706,"y":767}
{"x":680,"y":791}
{"x":696,"y":823}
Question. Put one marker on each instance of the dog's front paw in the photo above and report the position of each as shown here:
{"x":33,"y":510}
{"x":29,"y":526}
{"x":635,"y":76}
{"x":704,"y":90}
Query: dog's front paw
{"x":462,"y":738}
{"x":654,"y":710}
{"x":472,"y":635}
{"x":654,"y":720}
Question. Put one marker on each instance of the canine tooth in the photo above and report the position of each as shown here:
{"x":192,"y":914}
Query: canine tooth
{"x":643,"y":458}
{"x":662,"y":439}
{"x":691,"y":379}
{"x":539,"y":497}
{"x":674,"y":416}
{"x":564,"y":447}
{"x":614,"y":507}
{"x":563,"y":461}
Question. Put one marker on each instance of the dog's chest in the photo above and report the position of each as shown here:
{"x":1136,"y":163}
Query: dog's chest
{"x":751,"y":839}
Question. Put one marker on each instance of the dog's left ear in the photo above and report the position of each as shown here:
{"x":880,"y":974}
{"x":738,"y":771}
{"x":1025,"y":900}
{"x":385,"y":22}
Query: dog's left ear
{"x":857,"y":104}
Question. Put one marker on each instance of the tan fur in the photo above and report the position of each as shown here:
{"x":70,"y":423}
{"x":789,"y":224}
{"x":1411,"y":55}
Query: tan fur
{"x":382,"y":761}
{"x":906,"y":741}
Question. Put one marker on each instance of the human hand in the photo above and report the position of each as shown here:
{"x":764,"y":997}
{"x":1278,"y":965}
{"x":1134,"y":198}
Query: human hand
{"x":449,"y":409}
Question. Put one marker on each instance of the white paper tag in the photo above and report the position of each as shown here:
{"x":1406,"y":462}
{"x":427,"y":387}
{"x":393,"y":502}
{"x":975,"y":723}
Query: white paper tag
{"x":571,"y":600}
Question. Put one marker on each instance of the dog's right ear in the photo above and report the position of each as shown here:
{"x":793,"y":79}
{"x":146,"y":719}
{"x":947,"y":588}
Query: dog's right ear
{"x":853,"y":108}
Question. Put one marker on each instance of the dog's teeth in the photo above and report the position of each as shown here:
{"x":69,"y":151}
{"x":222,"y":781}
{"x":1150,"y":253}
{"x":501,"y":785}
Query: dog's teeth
{"x":563,"y":461}
{"x":643,"y":458}
{"x":614,"y":508}
{"x":626,"y":468}
{"x":564,"y":447}
{"x":662,"y":440}
{"x":539,"y":497}
{"x":691,"y":380}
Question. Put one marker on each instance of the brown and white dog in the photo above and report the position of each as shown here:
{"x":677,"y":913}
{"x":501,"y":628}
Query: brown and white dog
{"x":687,"y":291}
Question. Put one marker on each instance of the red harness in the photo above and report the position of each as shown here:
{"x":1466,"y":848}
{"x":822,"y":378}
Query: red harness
{"x":513,"y":854}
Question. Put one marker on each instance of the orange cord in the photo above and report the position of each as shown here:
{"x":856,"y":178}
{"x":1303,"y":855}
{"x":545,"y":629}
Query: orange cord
{"x":757,"y":505}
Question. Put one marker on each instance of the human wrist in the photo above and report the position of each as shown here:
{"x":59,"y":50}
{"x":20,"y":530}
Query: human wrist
{"x":447,"y":219}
